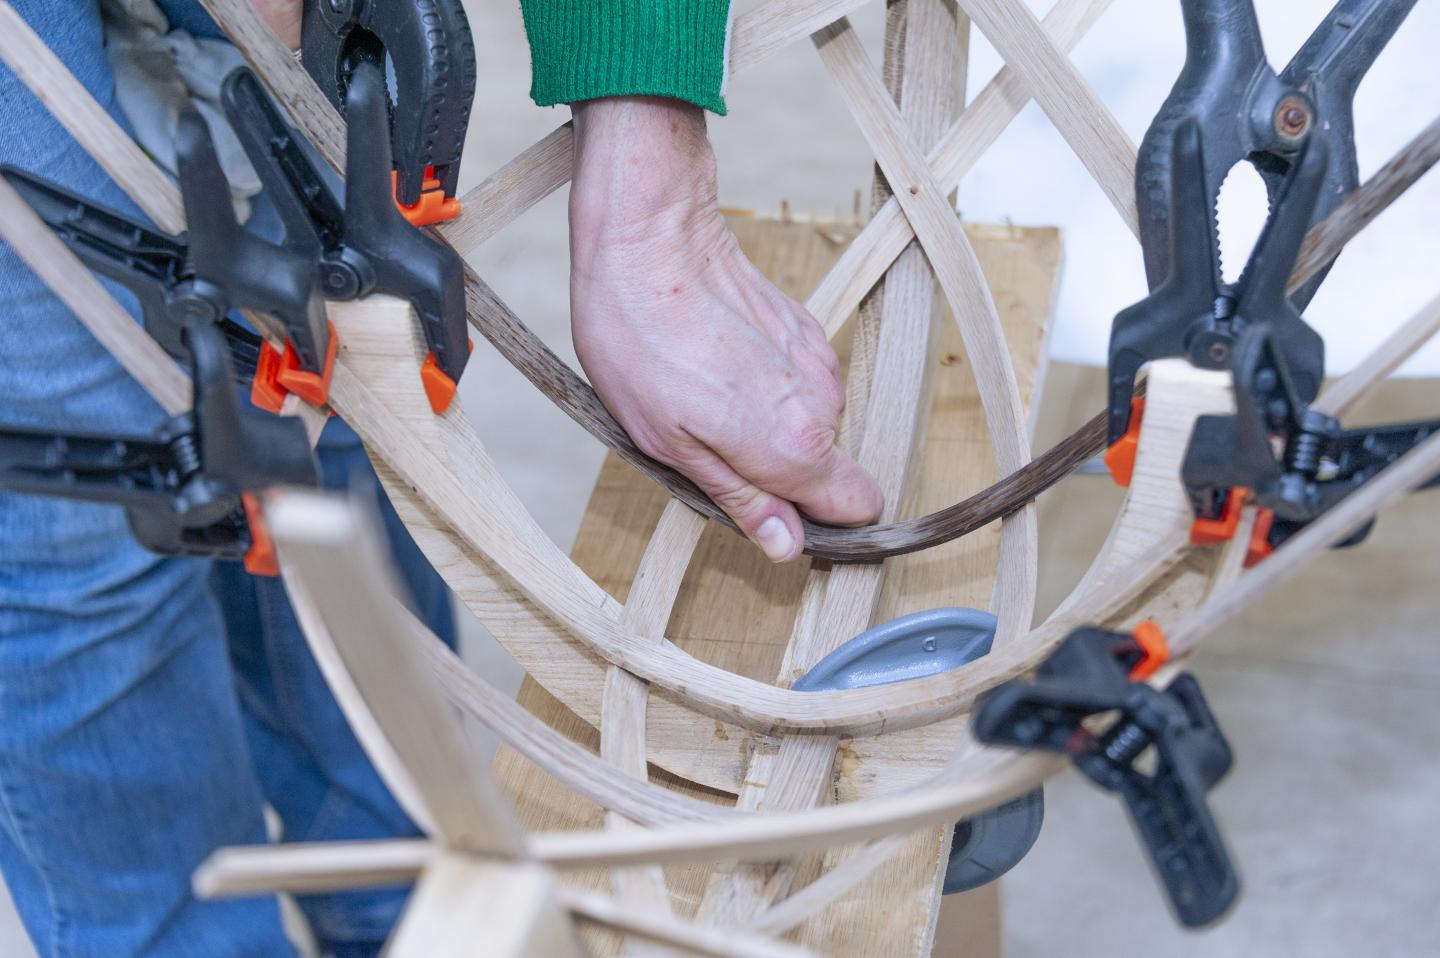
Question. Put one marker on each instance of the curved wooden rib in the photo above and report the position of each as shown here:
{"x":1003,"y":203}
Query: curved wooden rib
{"x":840,"y":602}
{"x":957,"y":150}
{"x":622,"y":710}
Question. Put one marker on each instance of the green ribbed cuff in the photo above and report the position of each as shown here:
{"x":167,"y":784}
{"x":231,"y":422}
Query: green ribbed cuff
{"x":586,"y":49}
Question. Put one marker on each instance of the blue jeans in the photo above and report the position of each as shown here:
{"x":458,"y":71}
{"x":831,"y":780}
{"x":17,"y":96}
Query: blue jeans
{"x":151,"y":707}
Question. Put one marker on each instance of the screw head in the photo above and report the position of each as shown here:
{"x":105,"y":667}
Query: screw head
{"x":1292,"y":118}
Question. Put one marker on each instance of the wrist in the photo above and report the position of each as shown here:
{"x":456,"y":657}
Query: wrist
{"x":643,"y":172}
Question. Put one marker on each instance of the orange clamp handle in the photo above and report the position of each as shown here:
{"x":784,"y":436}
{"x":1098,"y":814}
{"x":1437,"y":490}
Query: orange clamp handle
{"x":1209,"y":532}
{"x":1120,"y":457}
{"x":1260,"y":547}
{"x":439,"y":388}
{"x":261,"y":559}
{"x":432,"y":207}
{"x":278,"y":374}
{"x":1151,"y":640}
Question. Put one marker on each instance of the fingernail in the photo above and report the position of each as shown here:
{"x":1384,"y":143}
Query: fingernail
{"x":775,"y":539}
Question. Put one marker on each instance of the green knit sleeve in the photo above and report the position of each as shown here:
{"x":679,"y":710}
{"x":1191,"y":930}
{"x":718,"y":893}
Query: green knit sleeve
{"x":585,"y":49}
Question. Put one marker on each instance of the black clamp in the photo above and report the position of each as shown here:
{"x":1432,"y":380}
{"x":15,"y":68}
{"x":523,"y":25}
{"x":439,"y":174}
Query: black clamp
{"x":1227,"y":106}
{"x":1295,"y":462}
{"x":188,"y":489}
{"x":1095,"y":672}
{"x":367,"y":245}
{"x":430,"y":49}
{"x":216,"y":267}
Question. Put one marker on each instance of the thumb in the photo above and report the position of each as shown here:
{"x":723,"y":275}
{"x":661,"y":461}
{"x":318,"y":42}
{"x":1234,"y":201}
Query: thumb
{"x":770,"y":522}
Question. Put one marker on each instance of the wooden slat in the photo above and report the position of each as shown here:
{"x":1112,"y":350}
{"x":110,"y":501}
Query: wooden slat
{"x":1066,"y":97}
{"x":463,"y":906}
{"x":335,"y":565}
{"x":962,"y":145}
{"x":840,"y":602}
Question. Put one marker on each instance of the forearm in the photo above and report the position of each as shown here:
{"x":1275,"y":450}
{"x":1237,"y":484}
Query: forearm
{"x":587,"y":49}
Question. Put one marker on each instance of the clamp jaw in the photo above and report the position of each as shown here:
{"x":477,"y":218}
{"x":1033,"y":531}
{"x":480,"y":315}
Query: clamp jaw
{"x":1094,"y":672}
{"x":429,"y":47}
{"x":367,"y":245}
{"x":188,"y":489}
{"x":1228,"y":105}
{"x":1295,"y":462}
{"x":1192,"y":313}
{"x":216,"y":267}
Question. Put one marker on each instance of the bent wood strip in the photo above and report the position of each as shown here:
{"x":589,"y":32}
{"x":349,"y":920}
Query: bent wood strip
{"x":313,"y":867}
{"x":461,"y":900}
{"x":958,"y":149}
{"x":1066,"y":97}
{"x":84,"y":119}
{"x":1337,"y":399}
{"x":828,"y":888}
{"x":840,"y":602}
{"x":573,"y":766}
{"x":1358,"y":210}
{"x":335,"y":565}
{"x":953,"y":260}
{"x":622,"y":709}
{"x":78,"y":289}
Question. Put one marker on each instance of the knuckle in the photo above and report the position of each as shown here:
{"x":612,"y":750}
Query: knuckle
{"x":806,"y":436}
{"x":737,"y":499}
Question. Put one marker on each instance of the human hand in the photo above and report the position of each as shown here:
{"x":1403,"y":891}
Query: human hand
{"x":709,"y":367}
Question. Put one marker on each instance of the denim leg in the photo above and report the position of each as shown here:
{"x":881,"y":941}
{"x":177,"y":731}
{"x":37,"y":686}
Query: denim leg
{"x":123,"y":757}
{"x":312,"y":769}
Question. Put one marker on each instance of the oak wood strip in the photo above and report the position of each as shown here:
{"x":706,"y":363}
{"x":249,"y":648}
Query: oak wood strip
{"x":1358,"y":210}
{"x":1066,"y":97}
{"x":957,"y":151}
{"x":84,"y":119}
{"x":461,"y":901}
{"x":623,"y":707}
{"x":336,"y":565}
{"x":922,"y":56}
{"x":72,"y":281}
{"x":953,"y":259}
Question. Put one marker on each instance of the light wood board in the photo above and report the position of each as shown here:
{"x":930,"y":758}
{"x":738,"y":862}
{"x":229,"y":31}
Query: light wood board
{"x":736,"y":610}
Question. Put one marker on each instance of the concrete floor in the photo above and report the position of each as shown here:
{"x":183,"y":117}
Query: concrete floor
{"x":1328,"y":693}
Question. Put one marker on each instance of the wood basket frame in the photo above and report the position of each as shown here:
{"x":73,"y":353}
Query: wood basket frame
{"x":602,"y":657}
